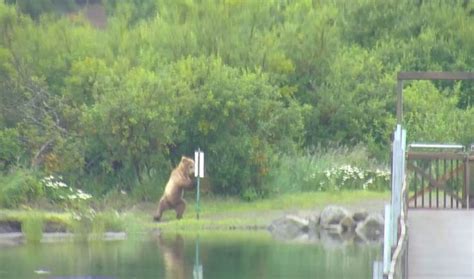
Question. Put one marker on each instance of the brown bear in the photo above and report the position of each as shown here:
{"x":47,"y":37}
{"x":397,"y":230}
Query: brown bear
{"x":181,"y":177}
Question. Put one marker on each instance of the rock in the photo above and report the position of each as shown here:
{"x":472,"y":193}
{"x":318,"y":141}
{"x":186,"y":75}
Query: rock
{"x":371,"y":228}
{"x":360,"y":216}
{"x":10,"y":226}
{"x":332,"y":215}
{"x":289,"y":227}
{"x":347,"y":224}
{"x":335,"y":229}
{"x":313,"y":221}
{"x":335,"y":225}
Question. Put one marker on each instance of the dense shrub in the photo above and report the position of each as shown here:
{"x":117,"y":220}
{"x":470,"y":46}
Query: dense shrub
{"x":21,"y":187}
{"x":253,"y":83}
{"x":238,"y":118}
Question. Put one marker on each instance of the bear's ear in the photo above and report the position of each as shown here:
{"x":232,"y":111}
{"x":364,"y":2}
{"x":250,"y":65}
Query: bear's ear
{"x":186,"y":159}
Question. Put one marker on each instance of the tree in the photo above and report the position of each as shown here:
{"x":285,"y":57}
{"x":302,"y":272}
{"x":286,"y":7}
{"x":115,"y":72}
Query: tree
{"x":238,"y":118}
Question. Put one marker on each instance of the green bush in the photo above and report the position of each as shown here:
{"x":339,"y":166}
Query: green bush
{"x":331,"y":169}
{"x":238,"y":118}
{"x":20,"y":188}
{"x":116,"y":199}
{"x":249,"y":83}
{"x":9,"y":148}
{"x":432,"y":115}
{"x":150,"y":190}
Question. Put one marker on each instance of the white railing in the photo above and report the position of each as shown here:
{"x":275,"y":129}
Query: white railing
{"x":395,"y":212}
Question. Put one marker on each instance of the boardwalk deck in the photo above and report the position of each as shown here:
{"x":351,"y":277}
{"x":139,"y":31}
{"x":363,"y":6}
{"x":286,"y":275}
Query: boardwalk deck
{"x":441,"y":244}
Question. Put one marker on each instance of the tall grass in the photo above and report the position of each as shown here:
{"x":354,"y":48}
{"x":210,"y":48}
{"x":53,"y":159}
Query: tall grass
{"x":32,"y":227}
{"x":339,"y":168}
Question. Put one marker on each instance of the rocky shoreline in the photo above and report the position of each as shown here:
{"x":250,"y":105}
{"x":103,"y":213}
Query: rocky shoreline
{"x":335,"y":225}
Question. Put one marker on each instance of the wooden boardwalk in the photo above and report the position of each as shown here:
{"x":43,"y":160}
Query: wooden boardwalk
{"x":441,"y":244}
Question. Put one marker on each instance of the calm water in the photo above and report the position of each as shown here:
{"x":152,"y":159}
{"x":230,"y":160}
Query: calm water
{"x":229,"y":255}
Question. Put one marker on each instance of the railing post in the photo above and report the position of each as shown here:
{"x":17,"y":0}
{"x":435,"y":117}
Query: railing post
{"x":377,"y":270}
{"x":467,"y":181}
{"x":399,"y":102}
{"x":387,"y":243}
{"x":397,"y":172}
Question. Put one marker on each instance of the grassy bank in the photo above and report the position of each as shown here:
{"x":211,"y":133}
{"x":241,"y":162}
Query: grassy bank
{"x":215,"y":213}
{"x":231,"y":213}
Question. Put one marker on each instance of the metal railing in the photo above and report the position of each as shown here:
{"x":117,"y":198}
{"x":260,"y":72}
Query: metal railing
{"x":399,"y":264}
{"x":395,"y":230}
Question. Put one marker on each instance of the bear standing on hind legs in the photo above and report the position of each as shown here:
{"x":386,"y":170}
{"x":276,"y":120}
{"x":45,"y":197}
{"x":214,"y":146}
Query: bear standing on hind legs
{"x":181,"y":177}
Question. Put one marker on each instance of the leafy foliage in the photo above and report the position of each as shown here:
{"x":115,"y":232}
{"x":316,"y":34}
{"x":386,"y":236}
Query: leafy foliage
{"x":19,"y":188}
{"x":331,"y":169}
{"x":252,"y":83}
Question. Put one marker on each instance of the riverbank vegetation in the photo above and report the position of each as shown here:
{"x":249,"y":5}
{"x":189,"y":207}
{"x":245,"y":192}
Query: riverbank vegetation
{"x":282,"y":96}
{"x":223,"y":214}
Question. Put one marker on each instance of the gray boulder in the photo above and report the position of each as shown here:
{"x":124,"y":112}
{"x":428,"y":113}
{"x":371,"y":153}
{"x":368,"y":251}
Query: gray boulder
{"x":360,"y":216}
{"x":347,"y":224}
{"x":333,"y":215}
{"x":314,"y":220}
{"x":289,"y":227}
{"x":371,"y":229}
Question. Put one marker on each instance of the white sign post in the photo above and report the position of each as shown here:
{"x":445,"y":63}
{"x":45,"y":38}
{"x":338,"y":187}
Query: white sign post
{"x":199,"y":173}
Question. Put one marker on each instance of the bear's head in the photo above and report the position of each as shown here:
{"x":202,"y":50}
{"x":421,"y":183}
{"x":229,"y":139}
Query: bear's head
{"x":187,"y":165}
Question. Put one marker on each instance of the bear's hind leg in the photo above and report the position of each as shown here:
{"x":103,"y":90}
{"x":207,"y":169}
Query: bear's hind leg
{"x":162,"y":206}
{"x":179,"y":208}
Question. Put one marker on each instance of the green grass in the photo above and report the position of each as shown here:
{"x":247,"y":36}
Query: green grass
{"x":288,"y":201}
{"x":235,"y":214}
{"x":32,"y":228}
{"x":22,"y":215}
{"x":217,"y":214}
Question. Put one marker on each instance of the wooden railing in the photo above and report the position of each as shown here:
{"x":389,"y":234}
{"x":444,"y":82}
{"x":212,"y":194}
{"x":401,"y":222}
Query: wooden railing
{"x":438,"y":176}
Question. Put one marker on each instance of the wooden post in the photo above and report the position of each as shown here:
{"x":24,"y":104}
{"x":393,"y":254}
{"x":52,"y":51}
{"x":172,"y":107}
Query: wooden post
{"x":399,"y":102}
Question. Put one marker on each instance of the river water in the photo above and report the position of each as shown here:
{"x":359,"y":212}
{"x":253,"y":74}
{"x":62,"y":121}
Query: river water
{"x":211,"y":255}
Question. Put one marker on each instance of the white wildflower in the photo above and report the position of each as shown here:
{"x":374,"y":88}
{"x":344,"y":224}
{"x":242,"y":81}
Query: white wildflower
{"x":76,"y":216}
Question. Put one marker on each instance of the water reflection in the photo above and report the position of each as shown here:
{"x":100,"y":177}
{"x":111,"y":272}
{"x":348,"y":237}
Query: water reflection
{"x":173,"y":257}
{"x":173,"y":253}
{"x":247,"y":256}
{"x":82,"y":277}
{"x":217,"y":254}
{"x":197,"y":270}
